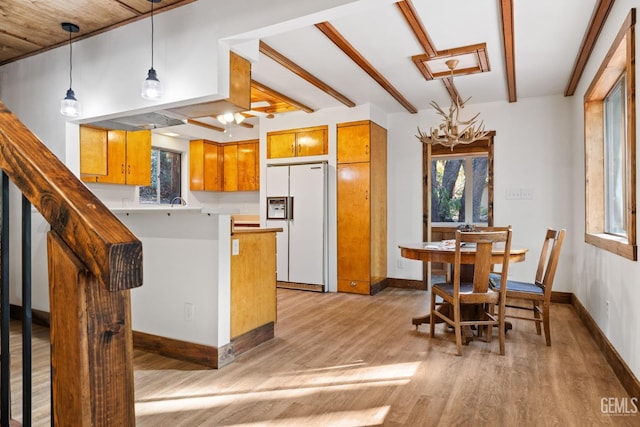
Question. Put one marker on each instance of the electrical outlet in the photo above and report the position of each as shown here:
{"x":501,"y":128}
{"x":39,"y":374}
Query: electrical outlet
{"x":188,"y":312}
{"x":235,"y":247}
{"x":400,"y":263}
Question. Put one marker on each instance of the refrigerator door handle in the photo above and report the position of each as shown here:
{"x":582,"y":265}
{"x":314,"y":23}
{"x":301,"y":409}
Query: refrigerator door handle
{"x":290,"y":207}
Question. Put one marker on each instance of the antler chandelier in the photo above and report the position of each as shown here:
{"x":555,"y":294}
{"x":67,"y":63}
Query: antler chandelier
{"x":454,"y":131}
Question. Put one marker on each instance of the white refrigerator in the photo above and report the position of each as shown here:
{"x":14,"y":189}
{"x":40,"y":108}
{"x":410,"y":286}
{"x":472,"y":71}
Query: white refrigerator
{"x":297,"y":202}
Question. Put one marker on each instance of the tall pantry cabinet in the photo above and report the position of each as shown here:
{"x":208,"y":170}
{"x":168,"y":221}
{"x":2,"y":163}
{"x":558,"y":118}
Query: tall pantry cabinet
{"x":361,"y":207}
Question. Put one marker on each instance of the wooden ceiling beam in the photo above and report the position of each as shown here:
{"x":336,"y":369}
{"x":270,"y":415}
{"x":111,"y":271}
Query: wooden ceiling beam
{"x":506,"y":15}
{"x":412,"y":18}
{"x":274,"y":93}
{"x":598,"y":19}
{"x":204,"y":125}
{"x":337,"y":38}
{"x":417,"y":27}
{"x":304,"y":74}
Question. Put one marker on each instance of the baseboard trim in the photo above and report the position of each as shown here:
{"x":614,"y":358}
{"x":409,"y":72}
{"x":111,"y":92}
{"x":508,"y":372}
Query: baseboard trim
{"x":619,"y":366}
{"x":200,"y":354}
{"x":253,"y":338}
{"x":406,"y":284}
{"x":378,"y":286}
{"x":300,"y":286}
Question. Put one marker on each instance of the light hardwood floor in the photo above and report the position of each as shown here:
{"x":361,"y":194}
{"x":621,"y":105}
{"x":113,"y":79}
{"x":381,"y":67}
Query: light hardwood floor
{"x":355,"y":360}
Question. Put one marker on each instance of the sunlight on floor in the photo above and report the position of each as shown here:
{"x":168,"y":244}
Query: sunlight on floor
{"x":290,"y":385}
{"x":368,"y":417}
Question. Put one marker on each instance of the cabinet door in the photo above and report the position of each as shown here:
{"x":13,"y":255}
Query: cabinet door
{"x":311,"y":143}
{"x":281,"y":145}
{"x":353,"y":143}
{"x":93,"y":153}
{"x":213,"y":158}
{"x":248,"y":166}
{"x":116,"y":157}
{"x":354,"y":222}
{"x":230,"y":154}
{"x":138,"y":158}
{"x":196,"y":165}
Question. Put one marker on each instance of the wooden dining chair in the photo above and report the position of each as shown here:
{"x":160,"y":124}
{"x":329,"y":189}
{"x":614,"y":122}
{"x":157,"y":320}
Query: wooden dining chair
{"x":476,"y":293}
{"x":538,"y":291}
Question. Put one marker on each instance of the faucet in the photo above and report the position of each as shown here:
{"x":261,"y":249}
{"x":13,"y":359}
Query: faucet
{"x":178,"y":199}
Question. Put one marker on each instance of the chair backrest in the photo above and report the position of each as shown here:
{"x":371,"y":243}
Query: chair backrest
{"x":549,"y":260}
{"x":485,"y":242}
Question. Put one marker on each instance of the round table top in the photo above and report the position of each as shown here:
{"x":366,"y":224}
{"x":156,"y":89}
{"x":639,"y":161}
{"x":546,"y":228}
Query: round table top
{"x":439,"y":252}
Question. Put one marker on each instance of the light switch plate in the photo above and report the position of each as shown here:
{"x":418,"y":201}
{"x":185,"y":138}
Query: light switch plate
{"x":235,"y":247}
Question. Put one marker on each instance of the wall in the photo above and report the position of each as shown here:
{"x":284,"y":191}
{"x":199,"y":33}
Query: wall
{"x":183,"y":258}
{"x":605,"y":284}
{"x":530,"y":152}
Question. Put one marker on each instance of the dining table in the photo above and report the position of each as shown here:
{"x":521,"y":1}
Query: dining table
{"x":444,"y":252}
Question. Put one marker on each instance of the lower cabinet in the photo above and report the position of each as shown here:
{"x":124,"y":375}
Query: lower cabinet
{"x":253,"y":281}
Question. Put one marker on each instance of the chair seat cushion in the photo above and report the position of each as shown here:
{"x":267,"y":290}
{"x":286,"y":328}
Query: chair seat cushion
{"x":465,"y":287}
{"x":514,"y":285}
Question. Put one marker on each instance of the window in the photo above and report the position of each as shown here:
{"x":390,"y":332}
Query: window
{"x":468,"y":182}
{"x":609,"y":129}
{"x":614,"y":161}
{"x":165,"y":178}
{"x":460,"y":182}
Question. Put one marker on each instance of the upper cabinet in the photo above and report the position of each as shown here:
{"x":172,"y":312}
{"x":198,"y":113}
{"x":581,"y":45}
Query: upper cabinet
{"x":115,"y":156}
{"x":205,"y":166}
{"x":298,"y":142}
{"x":233,"y":166}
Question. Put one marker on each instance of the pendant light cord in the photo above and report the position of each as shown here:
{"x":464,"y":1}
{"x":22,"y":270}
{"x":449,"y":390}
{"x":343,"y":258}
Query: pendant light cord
{"x":70,"y":61}
{"x":152,"y":33}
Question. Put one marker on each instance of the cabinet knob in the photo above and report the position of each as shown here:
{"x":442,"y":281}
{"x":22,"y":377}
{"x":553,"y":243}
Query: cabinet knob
{"x":353,"y":284}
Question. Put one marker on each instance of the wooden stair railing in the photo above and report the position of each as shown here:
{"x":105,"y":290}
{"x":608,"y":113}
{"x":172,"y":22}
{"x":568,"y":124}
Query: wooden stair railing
{"x":93,"y":262}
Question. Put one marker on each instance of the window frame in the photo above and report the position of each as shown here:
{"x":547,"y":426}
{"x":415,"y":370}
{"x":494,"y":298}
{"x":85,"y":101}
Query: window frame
{"x":158,"y":201}
{"x":620,"y":59}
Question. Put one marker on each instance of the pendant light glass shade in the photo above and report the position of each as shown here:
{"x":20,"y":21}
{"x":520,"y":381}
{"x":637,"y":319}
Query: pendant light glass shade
{"x":70,"y":106}
{"x":151,"y":87}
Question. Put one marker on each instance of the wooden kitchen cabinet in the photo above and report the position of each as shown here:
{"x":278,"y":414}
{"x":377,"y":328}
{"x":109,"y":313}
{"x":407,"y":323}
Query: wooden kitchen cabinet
{"x":241,"y":166}
{"x":361,"y":207}
{"x":205,"y":165}
{"x":93,"y":151}
{"x":232,"y":166}
{"x":127,"y":156}
{"x":248,"y":166}
{"x":230,"y":154}
{"x":253,"y":283}
{"x":298,"y":142}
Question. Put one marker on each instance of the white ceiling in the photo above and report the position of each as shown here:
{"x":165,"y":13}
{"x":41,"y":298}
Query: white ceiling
{"x":548,"y":35}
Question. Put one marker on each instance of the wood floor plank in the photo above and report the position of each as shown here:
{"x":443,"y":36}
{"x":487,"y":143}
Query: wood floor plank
{"x":353,"y":360}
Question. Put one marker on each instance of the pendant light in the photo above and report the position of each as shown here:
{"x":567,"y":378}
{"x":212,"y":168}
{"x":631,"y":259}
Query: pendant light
{"x":151,"y":87}
{"x":70,"y":106}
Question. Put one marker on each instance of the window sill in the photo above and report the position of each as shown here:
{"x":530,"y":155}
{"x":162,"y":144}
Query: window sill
{"x":616,"y":245}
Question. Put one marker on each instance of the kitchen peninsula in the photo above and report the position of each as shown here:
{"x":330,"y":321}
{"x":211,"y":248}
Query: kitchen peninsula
{"x":209,"y":290}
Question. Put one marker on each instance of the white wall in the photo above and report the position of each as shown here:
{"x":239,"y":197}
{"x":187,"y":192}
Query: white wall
{"x":531,"y":151}
{"x":606,"y":284}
